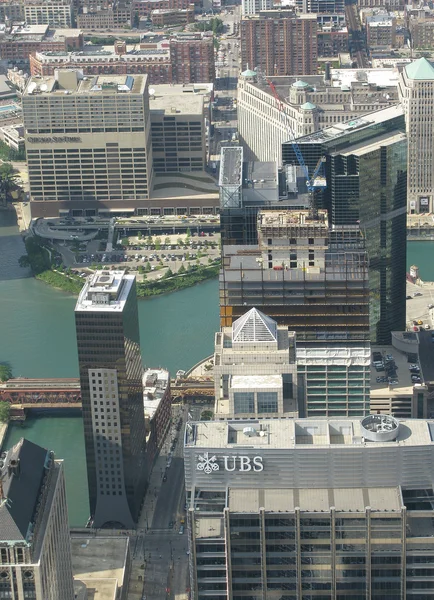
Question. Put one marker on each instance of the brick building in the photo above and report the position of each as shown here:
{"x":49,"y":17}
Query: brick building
{"x":22,"y":41}
{"x":144,"y":8}
{"x":172,"y":16}
{"x":280,"y":42}
{"x":180,"y":59}
{"x":332,"y":41}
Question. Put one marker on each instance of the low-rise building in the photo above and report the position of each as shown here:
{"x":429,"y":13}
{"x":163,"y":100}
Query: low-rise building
{"x":157,"y":402}
{"x":172,"y":16}
{"x":20,"y":41}
{"x":381,"y":32}
{"x":13,"y":136}
{"x":102,"y":566}
{"x":332,"y":40}
{"x":56,"y":13}
{"x":144,"y":8}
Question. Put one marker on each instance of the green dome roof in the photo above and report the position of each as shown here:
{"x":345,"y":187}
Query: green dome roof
{"x":420,"y":69}
{"x":308,"y":106}
{"x":300,"y":84}
{"x":249,"y":73}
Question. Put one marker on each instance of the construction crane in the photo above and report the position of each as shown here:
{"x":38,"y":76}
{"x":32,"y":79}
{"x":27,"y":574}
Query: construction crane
{"x":314,"y":183}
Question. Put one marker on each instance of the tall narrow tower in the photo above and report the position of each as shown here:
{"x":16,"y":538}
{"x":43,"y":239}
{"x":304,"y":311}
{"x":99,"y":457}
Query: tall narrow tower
{"x":112,"y":395}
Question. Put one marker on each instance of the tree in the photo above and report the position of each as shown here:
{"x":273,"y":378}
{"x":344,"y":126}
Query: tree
{"x":149,"y":241}
{"x":8,"y":180}
{"x":24,"y":261}
{"x":5,"y":411}
{"x":5,"y":372}
{"x":167,"y":241}
{"x":181,"y":270}
{"x":157,"y":243}
{"x":148,"y":267}
{"x":168,"y":273}
{"x":206,"y":415}
{"x":136,"y":20}
{"x":179,"y":242}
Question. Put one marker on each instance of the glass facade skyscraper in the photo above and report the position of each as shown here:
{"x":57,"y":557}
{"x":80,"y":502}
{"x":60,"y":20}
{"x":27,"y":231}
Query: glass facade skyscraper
{"x":112,"y":395}
{"x":366,"y":172}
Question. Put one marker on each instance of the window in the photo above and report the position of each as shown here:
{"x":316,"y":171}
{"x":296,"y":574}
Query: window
{"x":244,"y":402}
{"x":267,"y":402}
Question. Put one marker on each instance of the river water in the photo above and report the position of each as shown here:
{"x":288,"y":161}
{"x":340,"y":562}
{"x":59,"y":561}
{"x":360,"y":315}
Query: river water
{"x":37,"y":338}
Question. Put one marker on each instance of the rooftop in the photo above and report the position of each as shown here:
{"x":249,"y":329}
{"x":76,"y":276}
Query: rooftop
{"x":421,"y":70}
{"x":72,"y":82}
{"x":105,"y":291}
{"x":255,"y":327}
{"x":297,"y":433}
{"x":314,"y":499}
{"x":100,"y":564}
{"x":341,"y":129}
{"x":155,"y":383}
{"x":231,"y":166}
{"x":292,"y":218}
{"x":170,"y":100}
{"x":22,"y":472}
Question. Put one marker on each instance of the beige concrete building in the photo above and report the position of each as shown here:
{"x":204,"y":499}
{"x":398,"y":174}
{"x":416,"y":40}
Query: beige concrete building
{"x":178,"y":128}
{"x":310,"y":104}
{"x":57,"y":13}
{"x":255,"y":372}
{"x":416,"y":89}
{"x":87,"y":140}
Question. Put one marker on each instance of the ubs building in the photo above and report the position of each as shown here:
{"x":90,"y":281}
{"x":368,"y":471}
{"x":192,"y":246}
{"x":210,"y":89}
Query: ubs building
{"x":311,"y":509}
{"x":366,"y":173}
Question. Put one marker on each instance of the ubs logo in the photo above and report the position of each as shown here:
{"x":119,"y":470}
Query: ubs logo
{"x":209,"y":464}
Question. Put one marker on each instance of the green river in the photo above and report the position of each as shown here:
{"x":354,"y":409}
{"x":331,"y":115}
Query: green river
{"x":37,"y":338}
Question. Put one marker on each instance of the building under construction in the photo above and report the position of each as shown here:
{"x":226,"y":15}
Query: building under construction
{"x":302,"y":273}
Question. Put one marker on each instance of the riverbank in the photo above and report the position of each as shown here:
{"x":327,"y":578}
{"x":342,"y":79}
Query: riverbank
{"x":72,"y":284}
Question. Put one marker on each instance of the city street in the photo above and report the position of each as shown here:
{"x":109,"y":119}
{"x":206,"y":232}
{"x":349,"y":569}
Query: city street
{"x":160,"y":550}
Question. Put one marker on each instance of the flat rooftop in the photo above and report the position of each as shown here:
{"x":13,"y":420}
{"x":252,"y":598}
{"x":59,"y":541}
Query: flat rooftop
{"x":175,"y":102}
{"x":380,"y":389}
{"x":388,"y":139}
{"x":105,"y":291}
{"x":100,"y":564}
{"x":231,"y":166}
{"x":295,"y":433}
{"x":341,"y":129}
{"x":65,"y":83}
{"x":155,"y":382}
{"x":314,"y":499}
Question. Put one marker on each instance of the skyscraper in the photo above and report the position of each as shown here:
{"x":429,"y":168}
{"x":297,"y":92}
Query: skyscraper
{"x":366,"y":173}
{"x":330,"y":509}
{"x":112,"y":395}
{"x":416,"y":90}
{"x":88,"y":143}
{"x":35,"y":550}
{"x":313,"y":278}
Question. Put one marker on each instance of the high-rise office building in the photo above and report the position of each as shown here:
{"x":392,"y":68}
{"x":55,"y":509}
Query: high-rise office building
{"x":88,"y":143}
{"x":255,"y":371}
{"x":112,"y":395}
{"x":416,"y":89}
{"x":311,"y":509}
{"x":366,"y":173}
{"x":279,"y":42}
{"x":35,"y":550}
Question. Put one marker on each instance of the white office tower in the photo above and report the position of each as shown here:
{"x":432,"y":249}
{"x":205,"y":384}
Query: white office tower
{"x":416,"y":89}
{"x":35,"y":551}
{"x":252,"y":7}
{"x":88,"y":143}
{"x":255,"y":370}
{"x":305,"y":509}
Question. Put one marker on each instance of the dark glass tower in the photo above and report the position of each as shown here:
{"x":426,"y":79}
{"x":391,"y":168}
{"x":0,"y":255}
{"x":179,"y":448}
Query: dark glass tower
{"x":366,"y":172}
{"x":112,"y":394}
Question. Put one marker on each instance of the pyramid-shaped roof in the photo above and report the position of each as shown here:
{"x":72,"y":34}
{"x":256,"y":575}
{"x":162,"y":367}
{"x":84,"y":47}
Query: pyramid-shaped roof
{"x":254,"y":326}
{"x":420,"y":69}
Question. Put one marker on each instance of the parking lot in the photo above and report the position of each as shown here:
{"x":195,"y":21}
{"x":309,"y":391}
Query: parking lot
{"x":151,"y":257}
